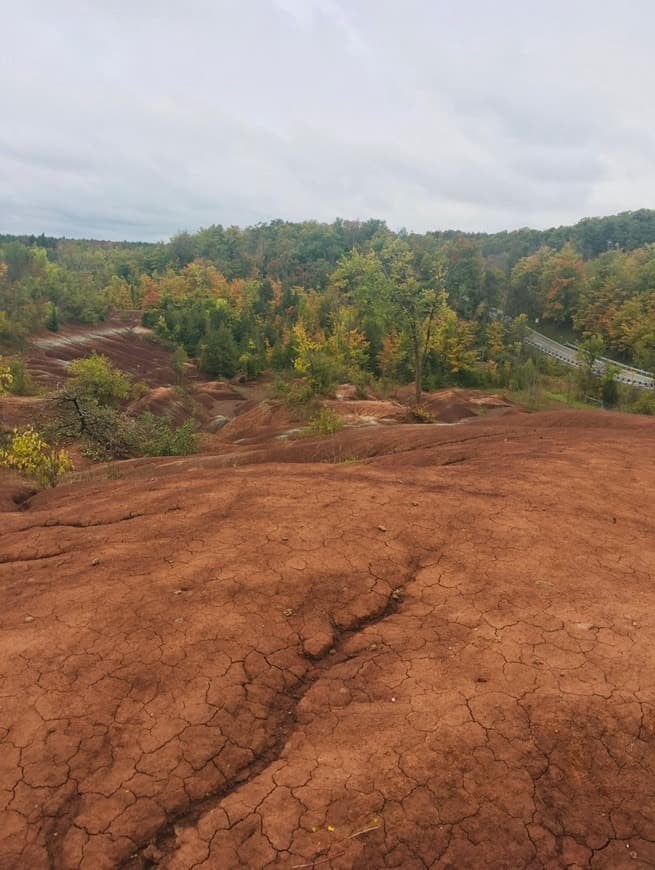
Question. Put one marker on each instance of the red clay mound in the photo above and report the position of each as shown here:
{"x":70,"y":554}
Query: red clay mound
{"x":164,"y":402}
{"x":129,"y":348}
{"x":455,"y":405}
{"x":14,"y":491}
{"x":258,"y":422}
{"x":203,"y":402}
{"x":19,"y":411}
{"x":217,"y":398}
{"x":409,"y":662}
{"x":368,"y":412}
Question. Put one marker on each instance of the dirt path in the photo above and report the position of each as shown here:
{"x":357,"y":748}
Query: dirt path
{"x":439,"y":657}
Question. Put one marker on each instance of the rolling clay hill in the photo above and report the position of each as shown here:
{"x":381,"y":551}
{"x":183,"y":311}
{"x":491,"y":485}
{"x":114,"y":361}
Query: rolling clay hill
{"x":434,"y":647}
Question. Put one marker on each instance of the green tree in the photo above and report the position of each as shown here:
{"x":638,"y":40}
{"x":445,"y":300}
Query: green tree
{"x":464,"y":275}
{"x":52,"y":321}
{"x":589,"y":351}
{"x":609,"y":389}
{"x":415,"y":306}
{"x":179,"y":361}
{"x":219,"y":353}
{"x":95,"y":378}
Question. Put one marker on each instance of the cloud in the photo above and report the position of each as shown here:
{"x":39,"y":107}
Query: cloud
{"x":137,"y":120}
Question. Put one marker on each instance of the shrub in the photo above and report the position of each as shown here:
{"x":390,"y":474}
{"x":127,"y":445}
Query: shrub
{"x":421,"y":415}
{"x":30,"y":454}
{"x":96,"y":378}
{"x":52,"y":321}
{"x":106,"y":431}
{"x":645,"y":404}
{"x":6,"y":378}
{"x":154,"y":436}
{"x":324,"y":422}
{"x":21,"y":380}
{"x":110,"y":434}
{"x":609,"y":389}
{"x":179,"y":361}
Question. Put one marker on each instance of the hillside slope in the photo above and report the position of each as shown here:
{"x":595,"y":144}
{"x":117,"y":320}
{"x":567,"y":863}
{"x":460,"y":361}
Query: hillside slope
{"x":442,"y":655}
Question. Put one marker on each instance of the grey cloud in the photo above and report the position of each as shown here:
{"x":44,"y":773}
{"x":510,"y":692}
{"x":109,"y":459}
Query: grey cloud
{"x":137,"y":120}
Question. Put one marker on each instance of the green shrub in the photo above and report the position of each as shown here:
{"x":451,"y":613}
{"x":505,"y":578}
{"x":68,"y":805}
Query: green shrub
{"x":22,"y":383}
{"x":94,"y":377}
{"x":609,"y":389}
{"x":645,"y":404}
{"x":105,"y":431}
{"x":155,"y":436}
{"x":52,"y":320}
{"x":6,"y":377}
{"x":324,"y":422}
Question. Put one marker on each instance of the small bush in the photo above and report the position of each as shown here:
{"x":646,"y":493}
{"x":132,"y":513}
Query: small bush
{"x":30,"y":454}
{"x":96,"y":378}
{"x":609,"y":390}
{"x":105,"y":431}
{"x":421,"y":415}
{"x":645,"y":404}
{"x":52,"y":321}
{"x":324,"y":422}
{"x":6,"y":378}
{"x":154,"y":436}
{"x":22,"y":383}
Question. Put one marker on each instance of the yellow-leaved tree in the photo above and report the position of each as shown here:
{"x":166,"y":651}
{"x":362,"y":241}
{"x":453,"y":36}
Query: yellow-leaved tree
{"x":30,"y":454}
{"x":6,"y":377}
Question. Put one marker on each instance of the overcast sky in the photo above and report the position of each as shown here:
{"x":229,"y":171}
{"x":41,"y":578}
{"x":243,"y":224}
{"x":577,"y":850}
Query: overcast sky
{"x":133,"y":120}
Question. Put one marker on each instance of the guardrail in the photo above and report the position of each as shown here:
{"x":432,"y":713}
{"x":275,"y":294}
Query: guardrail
{"x":568,"y":355}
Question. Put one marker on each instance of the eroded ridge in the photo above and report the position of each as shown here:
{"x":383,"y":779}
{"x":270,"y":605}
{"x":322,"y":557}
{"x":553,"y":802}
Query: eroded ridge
{"x":405,"y":662}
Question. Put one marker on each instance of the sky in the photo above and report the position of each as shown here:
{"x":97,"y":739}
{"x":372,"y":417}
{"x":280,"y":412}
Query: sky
{"x":136,"y":120}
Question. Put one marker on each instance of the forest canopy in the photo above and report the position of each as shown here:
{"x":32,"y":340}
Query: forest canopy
{"x":330,"y":300}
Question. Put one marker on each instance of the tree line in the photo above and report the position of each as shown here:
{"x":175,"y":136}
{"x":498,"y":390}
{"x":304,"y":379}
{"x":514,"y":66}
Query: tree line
{"x":350,"y":297}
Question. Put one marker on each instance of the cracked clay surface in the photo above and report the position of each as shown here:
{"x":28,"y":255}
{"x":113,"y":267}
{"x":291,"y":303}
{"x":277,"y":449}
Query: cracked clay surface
{"x":441,"y":657}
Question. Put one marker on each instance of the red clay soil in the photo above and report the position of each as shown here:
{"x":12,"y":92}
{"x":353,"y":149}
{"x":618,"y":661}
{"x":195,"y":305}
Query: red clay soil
{"x":440,"y":657}
{"x":130,"y":349}
{"x":454,"y":404}
{"x":258,"y":423}
{"x":362,"y":412}
{"x":20,"y":411}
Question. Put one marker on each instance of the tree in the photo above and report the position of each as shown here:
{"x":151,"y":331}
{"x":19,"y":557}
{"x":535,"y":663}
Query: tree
{"x":219,"y":354}
{"x":454,"y":339}
{"x":526,"y":284}
{"x":563,"y":282}
{"x":52,"y":318}
{"x":315,"y":361}
{"x":464,"y":275}
{"x":590,"y":350}
{"x":609,"y":389}
{"x":179,"y":361}
{"x":95,"y":378}
{"x":416,"y":308}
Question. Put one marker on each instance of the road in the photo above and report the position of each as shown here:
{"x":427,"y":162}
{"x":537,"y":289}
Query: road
{"x":569,"y":355}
